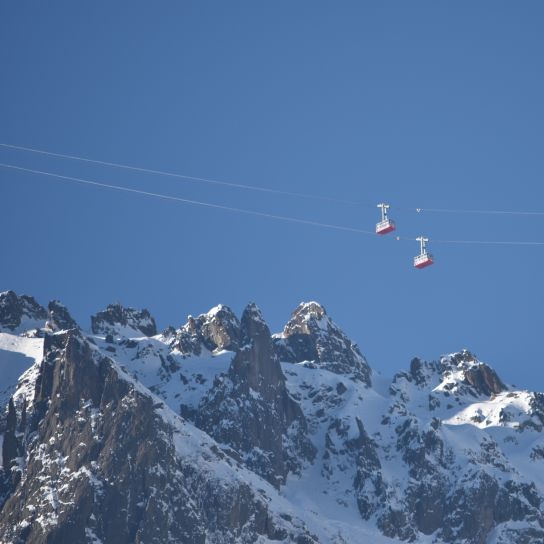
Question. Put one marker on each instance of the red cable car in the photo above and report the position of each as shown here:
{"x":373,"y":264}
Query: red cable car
{"x":424,"y":259}
{"x":385,"y":225}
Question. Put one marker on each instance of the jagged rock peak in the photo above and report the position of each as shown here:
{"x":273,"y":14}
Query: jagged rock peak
{"x":59,"y":317}
{"x":463,"y":358}
{"x":257,"y":361}
{"x":253,"y":325}
{"x":311,"y":336}
{"x":253,"y":312}
{"x":459,"y":373}
{"x":307,"y":317}
{"x":218,"y":329}
{"x":309,"y":310}
{"x":481,"y":377}
{"x":116,"y":320}
{"x":311,"y":318}
{"x":251,"y":410}
{"x":220,"y":311}
{"x":18,"y":313}
{"x":221,"y":326}
{"x":100,"y":440}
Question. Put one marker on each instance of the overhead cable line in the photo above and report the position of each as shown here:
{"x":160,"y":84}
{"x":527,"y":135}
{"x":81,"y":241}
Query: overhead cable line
{"x":188,"y":201}
{"x":188,"y":178}
{"x":252,"y":212}
{"x":487,"y":212}
{"x":264,"y":189}
{"x":488,"y":242}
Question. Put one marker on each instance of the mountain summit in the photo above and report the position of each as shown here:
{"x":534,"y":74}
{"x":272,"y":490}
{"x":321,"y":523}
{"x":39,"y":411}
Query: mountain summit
{"x":221,"y":432}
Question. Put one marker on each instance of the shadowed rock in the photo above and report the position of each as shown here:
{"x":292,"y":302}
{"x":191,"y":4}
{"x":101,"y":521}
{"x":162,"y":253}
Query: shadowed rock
{"x":59,"y":317}
{"x":18,"y":311}
{"x":97,"y":458}
{"x":482,"y":378}
{"x":102,"y":465}
{"x":310,"y":335}
{"x":117,"y":320}
{"x":251,"y":410}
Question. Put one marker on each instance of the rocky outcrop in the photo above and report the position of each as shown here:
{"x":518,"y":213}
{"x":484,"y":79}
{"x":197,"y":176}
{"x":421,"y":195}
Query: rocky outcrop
{"x":59,"y":318}
{"x":104,"y":462}
{"x":219,"y":329}
{"x":251,"y":410}
{"x":117,"y":320}
{"x":20,"y":312}
{"x":459,"y":374}
{"x":10,"y":445}
{"x":370,"y":487}
{"x":311,"y":336}
{"x":473,"y":377}
{"x":484,"y":380}
{"x":463,"y":508}
{"x":93,"y":450}
{"x":456,"y":494}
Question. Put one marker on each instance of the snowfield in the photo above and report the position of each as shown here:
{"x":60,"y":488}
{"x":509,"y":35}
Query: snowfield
{"x":17,"y":355}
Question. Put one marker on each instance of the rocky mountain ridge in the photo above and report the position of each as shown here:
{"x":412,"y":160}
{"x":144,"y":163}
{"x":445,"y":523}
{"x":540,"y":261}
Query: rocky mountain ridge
{"x":220,"y":432}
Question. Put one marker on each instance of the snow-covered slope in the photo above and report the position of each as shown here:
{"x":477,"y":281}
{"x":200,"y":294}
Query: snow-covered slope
{"x":289,"y":438}
{"x":17,"y":355}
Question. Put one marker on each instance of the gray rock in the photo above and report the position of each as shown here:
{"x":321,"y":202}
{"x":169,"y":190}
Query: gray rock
{"x":116,"y":319}
{"x":216,"y":330}
{"x":444,"y":497}
{"x":98,"y":457}
{"x":480,"y":377}
{"x":59,"y":318}
{"x":16,"y":310}
{"x":311,"y":336}
{"x":100,"y":463}
{"x":251,"y":410}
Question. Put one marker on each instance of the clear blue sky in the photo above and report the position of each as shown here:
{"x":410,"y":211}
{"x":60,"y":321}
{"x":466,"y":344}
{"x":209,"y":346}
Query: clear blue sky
{"x":421,"y":104}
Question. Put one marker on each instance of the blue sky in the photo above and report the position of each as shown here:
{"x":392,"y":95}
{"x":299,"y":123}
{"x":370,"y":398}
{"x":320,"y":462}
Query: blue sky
{"x":420,"y":104}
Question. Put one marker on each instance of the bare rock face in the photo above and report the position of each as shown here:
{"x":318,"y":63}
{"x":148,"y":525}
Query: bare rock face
{"x":10,"y":445}
{"x":216,"y":330}
{"x":59,"y":318}
{"x":459,"y":374}
{"x":478,"y":378}
{"x":103,"y":462}
{"x":117,"y":320}
{"x":311,"y":336}
{"x":458,"y":495}
{"x":93,"y":448}
{"x":251,"y":410}
{"x":369,"y":485}
{"x":20,"y":312}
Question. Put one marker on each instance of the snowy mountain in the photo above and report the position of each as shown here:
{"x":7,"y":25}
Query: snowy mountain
{"x":220,"y":432}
